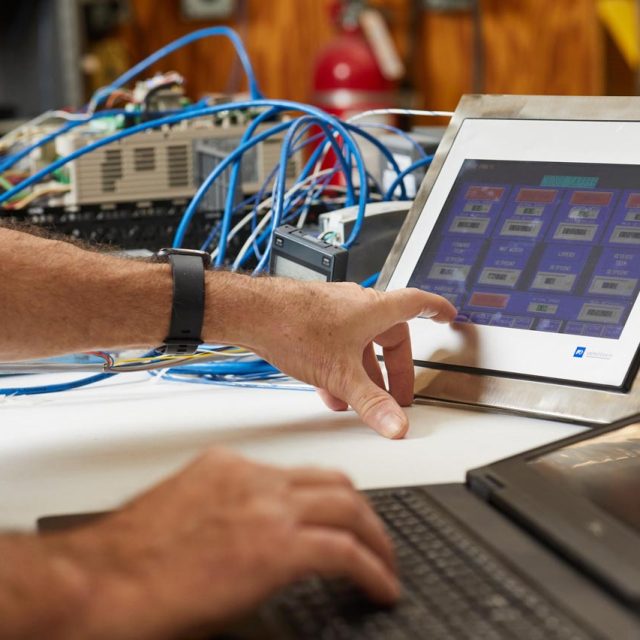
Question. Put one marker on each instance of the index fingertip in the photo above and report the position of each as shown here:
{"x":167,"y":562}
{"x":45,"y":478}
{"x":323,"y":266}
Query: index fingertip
{"x":444,"y":314}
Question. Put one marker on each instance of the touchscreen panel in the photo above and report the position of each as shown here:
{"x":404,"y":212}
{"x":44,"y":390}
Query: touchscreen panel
{"x":531,"y":229}
{"x":543,"y":246}
{"x":604,"y":469}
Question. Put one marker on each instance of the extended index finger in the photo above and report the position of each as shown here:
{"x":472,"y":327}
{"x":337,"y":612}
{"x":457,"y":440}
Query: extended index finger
{"x":404,"y":304}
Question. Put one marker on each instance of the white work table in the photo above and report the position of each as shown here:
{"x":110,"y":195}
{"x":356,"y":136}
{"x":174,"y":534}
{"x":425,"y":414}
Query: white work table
{"x":92,"y":448}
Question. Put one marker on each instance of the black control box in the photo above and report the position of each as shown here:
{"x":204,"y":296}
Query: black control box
{"x":298,"y":254}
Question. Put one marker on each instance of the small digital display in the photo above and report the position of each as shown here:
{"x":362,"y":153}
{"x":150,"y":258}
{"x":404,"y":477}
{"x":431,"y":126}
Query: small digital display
{"x":290,"y":269}
{"x":604,"y":469}
{"x":542,"y":246}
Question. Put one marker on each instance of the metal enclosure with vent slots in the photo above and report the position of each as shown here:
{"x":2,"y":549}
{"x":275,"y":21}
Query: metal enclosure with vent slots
{"x":164,"y":164}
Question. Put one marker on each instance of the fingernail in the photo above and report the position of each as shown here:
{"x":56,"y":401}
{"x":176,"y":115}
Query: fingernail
{"x":427,"y":314}
{"x":392,"y":425}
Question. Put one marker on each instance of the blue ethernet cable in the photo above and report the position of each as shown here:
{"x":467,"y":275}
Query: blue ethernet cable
{"x":321,"y":116}
{"x":226,"y":220}
{"x":192,"y":207}
{"x":267,"y":182}
{"x":205,"y":246}
{"x":250,"y":383}
{"x":315,"y":157}
{"x":208,"y":32}
{"x":418,"y":164}
{"x":55,"y":388}
{"x":341,"y":129}
{"x":233,"y":182}
{"x":399,"y":132}
{"x":257,"y":367}
{"x":280,"y":185}
{"x":383,"y":150}
{"x":370,"y":281}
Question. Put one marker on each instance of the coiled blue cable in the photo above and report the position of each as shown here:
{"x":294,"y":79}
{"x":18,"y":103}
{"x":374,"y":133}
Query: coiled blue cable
{"x":418,"y":164}
{"x":208,"y":32}
{"x":233,"y":183}
{"x":399,"y":132}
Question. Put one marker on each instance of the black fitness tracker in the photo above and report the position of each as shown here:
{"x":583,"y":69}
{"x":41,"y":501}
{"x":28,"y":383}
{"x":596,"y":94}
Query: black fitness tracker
{"x":187,"y":311}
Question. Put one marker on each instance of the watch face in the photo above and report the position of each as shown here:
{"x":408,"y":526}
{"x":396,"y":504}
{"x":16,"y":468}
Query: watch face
{"x":203,"y":255}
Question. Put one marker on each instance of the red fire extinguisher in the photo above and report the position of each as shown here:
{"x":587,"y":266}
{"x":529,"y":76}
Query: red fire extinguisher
{"x":360,"y":68}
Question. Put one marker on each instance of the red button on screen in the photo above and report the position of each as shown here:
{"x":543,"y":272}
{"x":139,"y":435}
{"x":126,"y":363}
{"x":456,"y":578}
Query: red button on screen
{"x":484,"y":193}
{"x":491,"y":300}
{"x":633,"y":202}
{"x":537,"y":195}
{"x":598,"y":198}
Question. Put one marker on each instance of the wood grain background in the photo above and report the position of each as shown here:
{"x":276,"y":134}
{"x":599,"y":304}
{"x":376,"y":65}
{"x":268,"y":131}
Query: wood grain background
{"x":530,"y":46}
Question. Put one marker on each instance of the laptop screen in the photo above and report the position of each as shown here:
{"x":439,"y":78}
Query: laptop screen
{"x":604,"y":469}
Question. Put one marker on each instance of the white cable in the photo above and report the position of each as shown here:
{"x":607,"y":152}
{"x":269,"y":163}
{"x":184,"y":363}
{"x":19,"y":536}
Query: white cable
{"x":267,"y":217}
{"x":386,"y":112}
{"x":400,"y":112}
{"x":256,"y":232}
{"x":263,"y":205}
{"x":233,"y":232}
{"x":8,"y":137}
{"x":307,"y":201}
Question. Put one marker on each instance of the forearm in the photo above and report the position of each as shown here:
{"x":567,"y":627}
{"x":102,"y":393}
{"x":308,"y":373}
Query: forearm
{"x":57,"y":298}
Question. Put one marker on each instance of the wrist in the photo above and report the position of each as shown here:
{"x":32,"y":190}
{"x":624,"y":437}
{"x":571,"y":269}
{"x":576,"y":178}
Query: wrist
{"x":139,"y":308}
{"x":236,"y":307}
{"x":105,"y":599}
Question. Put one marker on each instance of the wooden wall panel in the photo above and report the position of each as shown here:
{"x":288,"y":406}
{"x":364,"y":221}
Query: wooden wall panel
{"x":446,"y":59}
{"x":282,"y":38}
{"x":543,"y":46}
{"x":530,"y":46}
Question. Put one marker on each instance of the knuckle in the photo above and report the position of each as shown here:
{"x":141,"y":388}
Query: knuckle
{"x":371,"y":404}
{"x":340,"y":376}
{"x":215,"y":454}
{"x":345,"y":546}
{"x":342,"y":478}
{"x":351,"y":505}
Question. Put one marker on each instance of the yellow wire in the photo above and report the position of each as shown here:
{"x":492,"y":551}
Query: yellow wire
{"x":231,"y":352}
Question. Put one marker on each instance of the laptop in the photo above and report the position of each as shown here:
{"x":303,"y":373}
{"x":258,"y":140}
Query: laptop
{"x":543,"y":545}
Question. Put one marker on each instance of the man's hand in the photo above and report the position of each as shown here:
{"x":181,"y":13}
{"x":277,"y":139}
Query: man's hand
{"x":323,"y":334}
{"x":319,"y":333}
{"x":214,"y":541}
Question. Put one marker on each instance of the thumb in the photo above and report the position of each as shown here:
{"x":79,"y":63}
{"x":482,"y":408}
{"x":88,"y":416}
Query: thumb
{"x":376,"y":407}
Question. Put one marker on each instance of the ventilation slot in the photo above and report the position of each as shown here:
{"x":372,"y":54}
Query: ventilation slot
{"x":111,"y":169}
{"x":144,"y":158}
{"x":178,"y":165}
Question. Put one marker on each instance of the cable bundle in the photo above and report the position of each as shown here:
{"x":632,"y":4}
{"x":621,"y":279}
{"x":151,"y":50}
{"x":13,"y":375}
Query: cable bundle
{"x":302,"y":126}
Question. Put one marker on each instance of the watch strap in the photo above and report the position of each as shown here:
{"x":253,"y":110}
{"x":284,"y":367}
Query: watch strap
{"x":187,"y":312}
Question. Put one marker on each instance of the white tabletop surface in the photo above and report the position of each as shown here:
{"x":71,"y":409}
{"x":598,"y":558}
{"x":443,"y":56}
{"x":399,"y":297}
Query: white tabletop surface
{"x":92,"y":448}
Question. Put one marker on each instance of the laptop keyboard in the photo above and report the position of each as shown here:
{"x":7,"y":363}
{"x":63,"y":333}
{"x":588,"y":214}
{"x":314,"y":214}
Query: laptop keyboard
{"x":454,"y":587}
